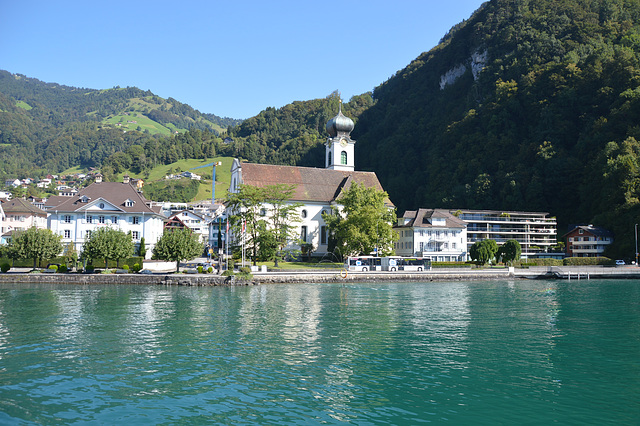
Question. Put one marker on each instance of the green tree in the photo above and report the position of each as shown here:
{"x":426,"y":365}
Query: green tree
{"x":267,"y":216}
{"x":36,"y":244}
{"x":362,"y":223}
{"x":510,"y":251}
{"x":71,"y":255}
{"x":108,"y":244}
{"x":282,"y":218}
{"x":247,"y":205}
{"x":483,"y":251}
{"x":142,"y":249}
{"x":176,"y":245}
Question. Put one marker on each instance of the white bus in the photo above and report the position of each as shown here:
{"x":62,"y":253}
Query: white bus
{"x":363,"y":263}
{"x":409,"y":264}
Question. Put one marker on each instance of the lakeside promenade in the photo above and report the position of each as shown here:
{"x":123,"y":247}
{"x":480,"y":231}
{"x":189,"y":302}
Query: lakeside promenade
{"x":330,"y":276}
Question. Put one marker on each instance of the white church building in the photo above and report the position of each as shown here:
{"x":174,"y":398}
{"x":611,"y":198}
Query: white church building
{"x":316,"y":189}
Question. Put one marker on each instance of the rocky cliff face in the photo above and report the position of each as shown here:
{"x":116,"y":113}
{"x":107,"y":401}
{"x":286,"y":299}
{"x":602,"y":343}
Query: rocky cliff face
{"x":476,"y":63}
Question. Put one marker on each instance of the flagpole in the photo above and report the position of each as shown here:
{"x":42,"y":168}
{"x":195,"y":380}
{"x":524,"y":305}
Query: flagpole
{"x":227,"y":245}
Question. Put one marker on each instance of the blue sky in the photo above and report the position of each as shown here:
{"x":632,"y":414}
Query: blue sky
{"x":232,"y":58}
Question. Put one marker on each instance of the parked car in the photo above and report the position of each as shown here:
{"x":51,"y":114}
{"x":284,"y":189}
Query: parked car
{"x":619,"y":262}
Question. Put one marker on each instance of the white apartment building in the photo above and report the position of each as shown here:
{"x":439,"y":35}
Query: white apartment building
{"x":535,"y":231}
{"x":431,"y":233}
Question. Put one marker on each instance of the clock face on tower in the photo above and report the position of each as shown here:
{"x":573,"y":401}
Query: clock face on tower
{"x":343,"y":142}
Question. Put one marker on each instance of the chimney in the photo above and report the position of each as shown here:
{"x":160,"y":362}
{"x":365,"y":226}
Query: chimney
{"x":98,"y":178}
{"x":125,"y":179}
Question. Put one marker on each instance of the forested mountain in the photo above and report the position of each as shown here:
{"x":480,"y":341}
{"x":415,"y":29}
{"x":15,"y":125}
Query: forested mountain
{"x":295,"y":133}
{"x":528,"y":105}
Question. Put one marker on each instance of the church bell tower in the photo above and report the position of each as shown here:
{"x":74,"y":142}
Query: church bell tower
{"x":339,"y":148}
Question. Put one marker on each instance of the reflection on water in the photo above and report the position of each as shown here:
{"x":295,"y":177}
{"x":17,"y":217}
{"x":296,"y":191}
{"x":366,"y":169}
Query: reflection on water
{"x":401,"y":353}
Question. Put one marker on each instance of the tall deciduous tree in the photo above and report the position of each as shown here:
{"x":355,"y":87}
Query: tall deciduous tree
{"x":266,"y":217}
{"x":108,"y":244}
{"x":36,"y":244}
{"x":362,"y":223}
{"x":176,"y":245}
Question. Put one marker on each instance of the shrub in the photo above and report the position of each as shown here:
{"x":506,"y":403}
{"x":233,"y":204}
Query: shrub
{"x":63,"y":268}
{"x":227,"y":273}
{"x":245,"y":270}
{"x":125,"y":267}
{"x":5,"y":267}
{"x":199,"y":269}
{"x":584,"y":261}
{"x":542,"y":262}
{"x":210,"y":270}
{"x":54,"y":267}
{"x":136,"y":267}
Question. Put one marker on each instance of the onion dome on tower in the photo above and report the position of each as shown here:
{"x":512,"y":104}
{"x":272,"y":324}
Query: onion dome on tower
{"x":340,"y":125}
{"x":339,"y":145}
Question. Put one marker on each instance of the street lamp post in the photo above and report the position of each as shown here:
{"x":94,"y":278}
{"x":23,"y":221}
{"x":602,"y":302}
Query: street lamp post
{"x":636,"y":232}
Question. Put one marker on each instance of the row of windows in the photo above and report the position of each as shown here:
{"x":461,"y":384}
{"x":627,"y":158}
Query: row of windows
{"x":427,"y":247}
{"x":588,"y":239}
{"x":437,"y":234}
{"x":67,"y":234}
{"x":101,"y":219}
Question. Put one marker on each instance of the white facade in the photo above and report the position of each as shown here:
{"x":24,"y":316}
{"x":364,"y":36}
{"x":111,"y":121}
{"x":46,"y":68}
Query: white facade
{"x":104,"y":204}
{"x":76,"y":227}
{"x":433,"y":234}
{"x":339,"y":147}
{"x":535,"y":231}
{"x":196,"y":223}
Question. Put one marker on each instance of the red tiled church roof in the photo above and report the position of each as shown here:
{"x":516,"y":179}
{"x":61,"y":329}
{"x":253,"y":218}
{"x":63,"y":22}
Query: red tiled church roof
{"x":312,"y":184}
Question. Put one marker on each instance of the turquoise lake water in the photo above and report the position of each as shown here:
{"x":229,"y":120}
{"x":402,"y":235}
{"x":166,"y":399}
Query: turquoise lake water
{"x":478,"y":352}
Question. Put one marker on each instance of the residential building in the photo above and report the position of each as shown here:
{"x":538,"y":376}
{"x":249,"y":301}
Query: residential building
{"x":188,"y":219}
{"x":21,"y":214}
{"x":535,"y":231}
{"x":432,"y":233}
{"x":37,"y":201}
{"x":44,"y":183}
{"x":317,"y":190}
{"x":587,"y":241}
{"x":218,"y":232}
{"x":105,"y":204}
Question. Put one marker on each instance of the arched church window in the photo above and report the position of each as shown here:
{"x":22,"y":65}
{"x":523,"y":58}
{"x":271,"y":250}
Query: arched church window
{"x":343,"y":157}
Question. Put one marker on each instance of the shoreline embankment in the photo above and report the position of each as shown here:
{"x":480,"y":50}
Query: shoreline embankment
{"x":329,"y":276}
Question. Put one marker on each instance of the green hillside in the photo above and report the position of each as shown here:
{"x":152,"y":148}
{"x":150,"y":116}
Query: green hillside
{"x":46,"y":127}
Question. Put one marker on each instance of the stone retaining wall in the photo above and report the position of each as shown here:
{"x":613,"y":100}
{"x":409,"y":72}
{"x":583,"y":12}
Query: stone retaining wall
{"x":217,"y":280}
{"x":152,"y":279}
